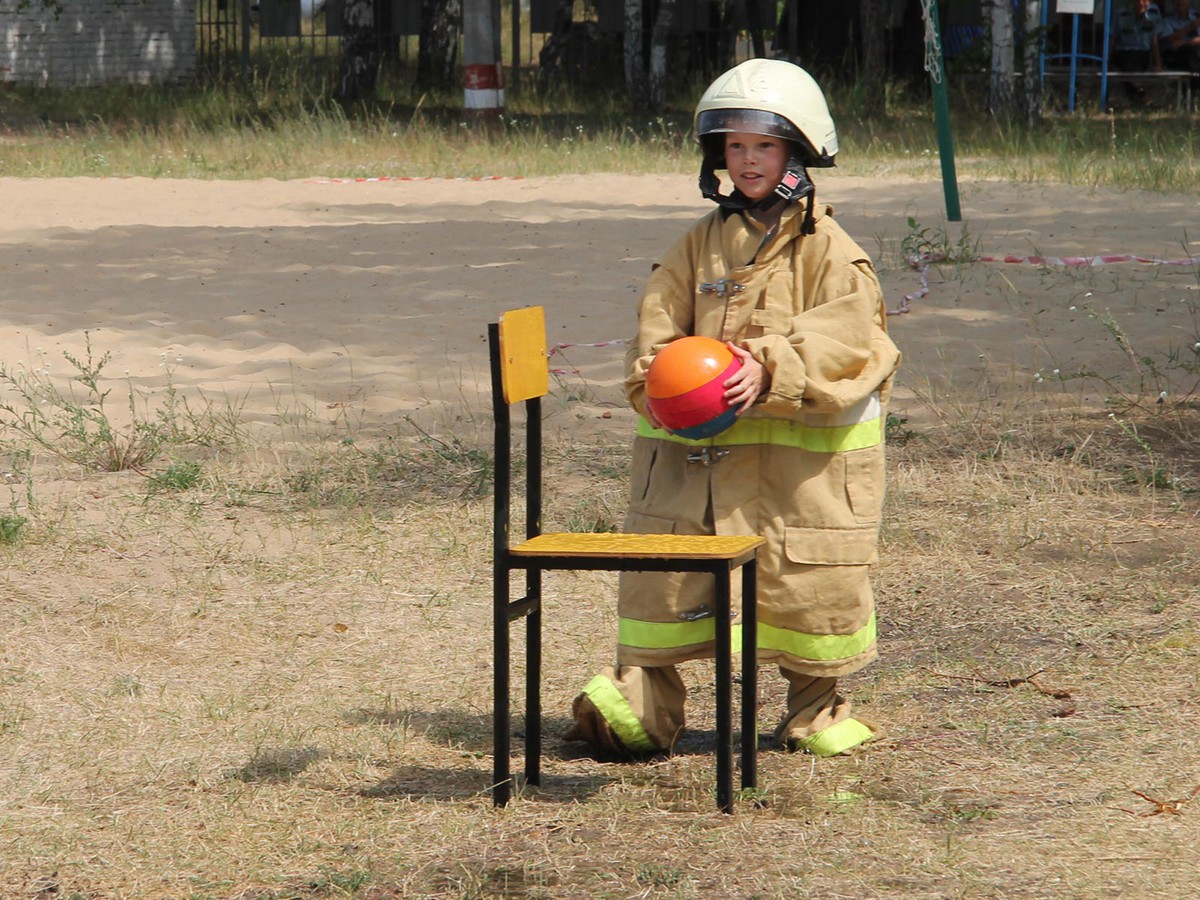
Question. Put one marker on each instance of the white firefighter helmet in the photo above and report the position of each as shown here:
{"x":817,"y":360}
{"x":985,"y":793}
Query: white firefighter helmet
{"x":768,"y":96}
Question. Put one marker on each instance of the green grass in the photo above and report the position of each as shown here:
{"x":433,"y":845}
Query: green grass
{"x":288,"y":127}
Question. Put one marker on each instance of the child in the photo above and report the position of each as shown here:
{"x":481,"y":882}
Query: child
{"x":799,"y":303}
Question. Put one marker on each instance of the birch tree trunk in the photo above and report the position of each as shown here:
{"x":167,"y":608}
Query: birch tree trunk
{"x":437,"y":50}
{"x":1002,"y":87}
{"x":360,"y":63}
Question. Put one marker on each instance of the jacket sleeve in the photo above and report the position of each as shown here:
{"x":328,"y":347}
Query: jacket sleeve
{"x":666,"y":312}
{"x":836,"y":351}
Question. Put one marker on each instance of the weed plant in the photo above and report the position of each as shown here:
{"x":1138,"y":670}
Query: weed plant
{"x":1165,"y":385}
{"x":934,"y":244}
{"x":176,"y":478}
{"x":76,"y":422}
{"x":408,"y":465}
{"x":11,"y":526}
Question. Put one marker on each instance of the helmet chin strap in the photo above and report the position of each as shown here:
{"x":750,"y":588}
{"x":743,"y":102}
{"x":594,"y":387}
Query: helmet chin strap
{"x":795,"y":185}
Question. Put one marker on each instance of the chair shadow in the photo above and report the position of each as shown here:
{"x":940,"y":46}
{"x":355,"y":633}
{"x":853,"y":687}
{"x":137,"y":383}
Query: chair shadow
{"x":276,"y":765}
{"x":471,"y":733}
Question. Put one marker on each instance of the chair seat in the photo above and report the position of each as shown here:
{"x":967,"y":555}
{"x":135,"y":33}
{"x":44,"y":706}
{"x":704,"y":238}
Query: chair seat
{"x":639,"y":546}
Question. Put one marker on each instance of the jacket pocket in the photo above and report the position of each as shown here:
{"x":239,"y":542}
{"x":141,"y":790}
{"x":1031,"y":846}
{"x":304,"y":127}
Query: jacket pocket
{"x":645,"y":453}
{"x":832,"y":546}
{"x":640,"y":523}
{"x":865,"y":483}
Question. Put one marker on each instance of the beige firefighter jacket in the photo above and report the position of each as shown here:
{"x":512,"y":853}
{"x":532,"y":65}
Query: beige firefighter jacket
{"x":803,"y":468}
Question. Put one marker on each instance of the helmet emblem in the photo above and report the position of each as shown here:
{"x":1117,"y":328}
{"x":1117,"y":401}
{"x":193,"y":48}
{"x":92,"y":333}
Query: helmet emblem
{"x":733,"y":87}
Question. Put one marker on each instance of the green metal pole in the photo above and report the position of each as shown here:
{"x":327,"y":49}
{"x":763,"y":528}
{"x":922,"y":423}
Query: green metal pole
{"x":941,"y":112}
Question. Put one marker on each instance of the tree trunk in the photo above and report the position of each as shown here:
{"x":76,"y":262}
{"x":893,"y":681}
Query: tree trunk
{"x":360,"y":52}
{"x":754,"y":26}
{"x":437,"y":51}
{"x":635,"y":65}
{"x":1002,"y":86}
{"x":1033,"y":85}
{"x":874,"y":57}
{"x":552,"y":58}
{"x":727,"y":38}
{"x":658,"y":54}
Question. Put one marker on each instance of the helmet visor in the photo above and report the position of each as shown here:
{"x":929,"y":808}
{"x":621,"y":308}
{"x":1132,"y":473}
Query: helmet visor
{"x":748,"y":121}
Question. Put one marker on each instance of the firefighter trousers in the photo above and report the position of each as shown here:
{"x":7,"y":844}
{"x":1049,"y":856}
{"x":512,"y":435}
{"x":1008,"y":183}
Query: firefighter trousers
{"x":635,"y":710}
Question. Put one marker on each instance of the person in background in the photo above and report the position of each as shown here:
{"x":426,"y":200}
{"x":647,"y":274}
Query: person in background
{"x":1179,"y":37}
{"x":1135,"y":44}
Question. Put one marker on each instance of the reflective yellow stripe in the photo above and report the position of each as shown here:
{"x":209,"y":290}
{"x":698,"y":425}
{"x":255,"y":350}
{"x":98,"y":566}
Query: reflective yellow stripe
{"x":825,"y":647}
{"x":782,"y":433}
{"x":618,"y":714}
{"x":665,"y":635}
{"x":828,"y":647}
{"x":836,"y":738}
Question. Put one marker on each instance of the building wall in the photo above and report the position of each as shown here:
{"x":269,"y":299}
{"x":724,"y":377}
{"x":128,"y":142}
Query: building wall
{"x":70,"y":43}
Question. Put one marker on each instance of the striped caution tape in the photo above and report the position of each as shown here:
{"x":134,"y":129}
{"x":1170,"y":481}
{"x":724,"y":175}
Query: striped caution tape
{"x":1084,"y":261}
{"x":558,"y":348}
{"x":611,"y":343}
{"x":922,"y":265}
{"x":374,"y":178}
{"x":906,"y":303}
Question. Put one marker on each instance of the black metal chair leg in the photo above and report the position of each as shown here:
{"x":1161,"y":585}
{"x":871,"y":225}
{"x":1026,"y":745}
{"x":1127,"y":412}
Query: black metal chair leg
{"x":724,"y":664}
{"x":533,"y":692}
{"x":749,"y":675}
{"x":502,"y":726}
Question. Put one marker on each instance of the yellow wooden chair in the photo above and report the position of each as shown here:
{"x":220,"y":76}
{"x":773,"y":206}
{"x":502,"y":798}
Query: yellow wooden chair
{"x":520,"y":374}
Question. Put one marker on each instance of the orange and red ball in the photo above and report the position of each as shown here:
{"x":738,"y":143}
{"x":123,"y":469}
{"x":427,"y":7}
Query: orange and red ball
{"x":685,"y":387}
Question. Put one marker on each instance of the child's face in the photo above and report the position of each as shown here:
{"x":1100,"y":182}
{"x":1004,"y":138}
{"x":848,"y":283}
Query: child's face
{"x":755,"y":162}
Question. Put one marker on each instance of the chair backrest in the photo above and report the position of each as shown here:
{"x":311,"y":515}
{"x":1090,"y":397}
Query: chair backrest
{"x":520,"y":374}
{"x":524,"y":368}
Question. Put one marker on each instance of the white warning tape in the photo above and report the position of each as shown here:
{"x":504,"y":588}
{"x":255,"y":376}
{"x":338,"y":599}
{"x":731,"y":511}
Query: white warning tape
{"x":557,"y":348}
{"x":374,"y":178}
{"x":922,"y":264}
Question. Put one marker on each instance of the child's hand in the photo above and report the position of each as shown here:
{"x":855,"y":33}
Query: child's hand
{"x":747,"y":383}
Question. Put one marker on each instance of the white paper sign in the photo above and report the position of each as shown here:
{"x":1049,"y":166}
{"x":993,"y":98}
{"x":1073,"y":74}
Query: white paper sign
{"x":1078,"y":7}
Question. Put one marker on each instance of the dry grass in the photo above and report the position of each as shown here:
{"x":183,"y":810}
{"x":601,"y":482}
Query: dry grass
{"x":276,"y":684}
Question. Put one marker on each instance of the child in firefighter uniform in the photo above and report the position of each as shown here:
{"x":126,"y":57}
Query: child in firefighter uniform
{"x":770,"y":273}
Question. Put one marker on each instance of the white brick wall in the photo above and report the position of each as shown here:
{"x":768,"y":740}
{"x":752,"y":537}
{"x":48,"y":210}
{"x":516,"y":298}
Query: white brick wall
{"x":93,"y":42}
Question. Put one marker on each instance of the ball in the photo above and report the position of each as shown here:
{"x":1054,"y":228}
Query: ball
{"x":685,"y":387}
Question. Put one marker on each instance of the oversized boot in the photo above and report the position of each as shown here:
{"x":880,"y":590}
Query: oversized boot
{"x":630,"y":711}
{"x":818,"y":720}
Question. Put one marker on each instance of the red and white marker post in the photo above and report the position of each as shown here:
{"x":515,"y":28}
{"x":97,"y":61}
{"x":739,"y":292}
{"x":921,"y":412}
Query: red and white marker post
{"x":483,"y":74}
